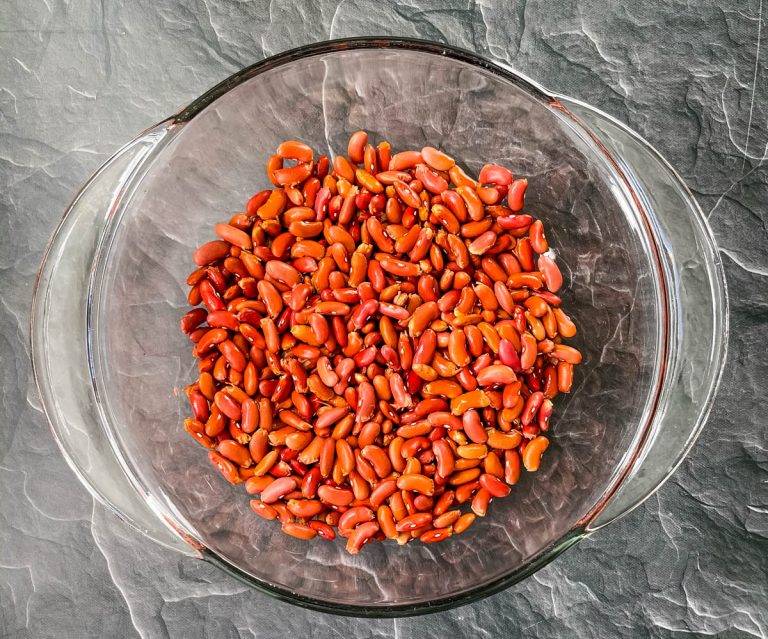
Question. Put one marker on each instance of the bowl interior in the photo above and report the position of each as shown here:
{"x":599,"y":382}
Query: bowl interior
{"x":209,"y":168}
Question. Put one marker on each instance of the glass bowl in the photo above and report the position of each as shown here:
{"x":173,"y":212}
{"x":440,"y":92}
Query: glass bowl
{"x":643,"y":282}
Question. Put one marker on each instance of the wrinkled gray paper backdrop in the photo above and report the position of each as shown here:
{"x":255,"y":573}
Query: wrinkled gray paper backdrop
{"x":78,"y":79}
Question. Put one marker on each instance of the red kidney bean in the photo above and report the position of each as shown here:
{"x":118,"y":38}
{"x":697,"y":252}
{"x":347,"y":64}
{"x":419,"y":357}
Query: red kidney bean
{"x":360,"y":535}
{"x":211,"y":252}
{"x":277,"y":489}
{"x":495,"y":174}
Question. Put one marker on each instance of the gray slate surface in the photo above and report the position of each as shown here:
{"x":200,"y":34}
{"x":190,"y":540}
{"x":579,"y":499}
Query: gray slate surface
{"x":77,"y":79}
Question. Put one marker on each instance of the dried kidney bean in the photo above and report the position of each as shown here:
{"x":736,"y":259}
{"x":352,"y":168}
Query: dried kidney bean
{"x":376,"y":341}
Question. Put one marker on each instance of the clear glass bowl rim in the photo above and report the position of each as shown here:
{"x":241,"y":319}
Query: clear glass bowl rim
{"x":580,"y":528}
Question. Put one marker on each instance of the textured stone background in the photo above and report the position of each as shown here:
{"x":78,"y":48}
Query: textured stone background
{"x":77,"y":79}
